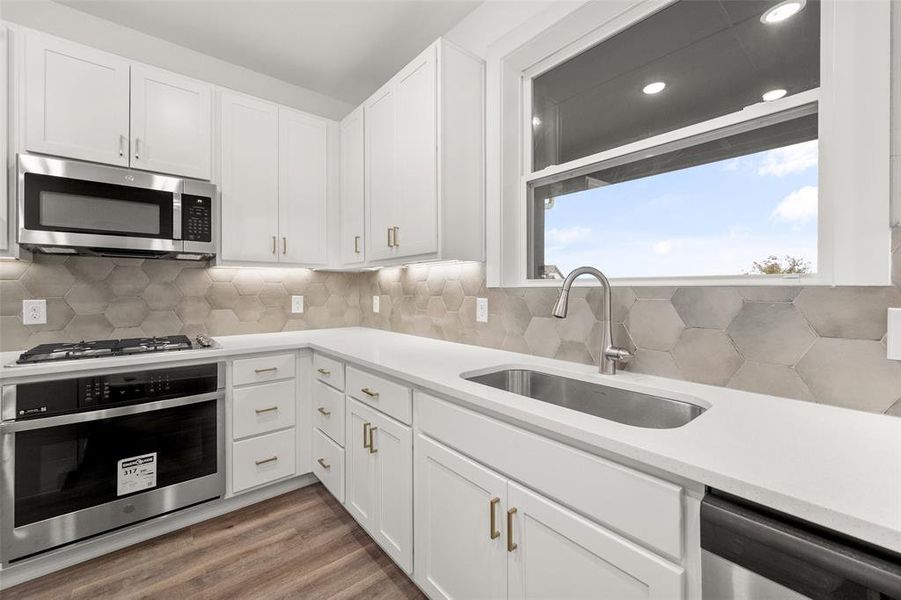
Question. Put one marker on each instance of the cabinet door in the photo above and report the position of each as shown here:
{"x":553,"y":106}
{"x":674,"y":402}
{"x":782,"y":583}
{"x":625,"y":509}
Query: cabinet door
{"x":76,"y":101}
{"x":171,"y":120}
{"x":417,"y":157}
{"x":458,"y":554}
{"x":380,"y":174}
{"x":249,"y":179}
{"x":360,"y":474}
{"x":303,"y":183}
{"x":561,"y":555}
{"x":352,"y":189}
{"x":392,"y":444}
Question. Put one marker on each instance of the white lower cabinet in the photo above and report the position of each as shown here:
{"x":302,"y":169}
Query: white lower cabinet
{"x":263,"y":459}
{"x":479,"y":535}
{"x":328,"y":464}
{"x":379,"y":479}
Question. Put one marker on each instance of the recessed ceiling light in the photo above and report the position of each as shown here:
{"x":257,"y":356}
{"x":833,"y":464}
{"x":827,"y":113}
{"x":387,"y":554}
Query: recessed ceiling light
{"x":773,"y":95}
{"x":654,"y":88}
{"x":782,"y":11}
{"x":536,"y":121}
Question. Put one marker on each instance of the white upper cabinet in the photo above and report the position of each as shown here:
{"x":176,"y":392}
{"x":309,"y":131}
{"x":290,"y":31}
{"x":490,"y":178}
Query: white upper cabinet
{"x":170,"y":123}
{"x":351,"y":236}
{"x":424,"y":155}
{"x":86,"y":104}
{"x":76,"y":101}
{"x":249,"y":178}
{"x":303,"y":186}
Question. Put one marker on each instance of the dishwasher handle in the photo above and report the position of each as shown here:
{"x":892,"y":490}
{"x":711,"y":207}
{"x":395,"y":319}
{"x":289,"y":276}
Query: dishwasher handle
{"x":800,"y":556}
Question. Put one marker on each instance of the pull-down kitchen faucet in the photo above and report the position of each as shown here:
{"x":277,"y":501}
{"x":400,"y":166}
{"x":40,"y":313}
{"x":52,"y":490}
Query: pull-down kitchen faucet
{"x":610,"y":354}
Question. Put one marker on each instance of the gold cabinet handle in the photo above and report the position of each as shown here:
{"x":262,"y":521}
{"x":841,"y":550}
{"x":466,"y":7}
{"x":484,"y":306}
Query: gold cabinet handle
{"x":122,"y":142}
{"x":266,"y":370}
{"x":266,"y":460}
{"x":137,"y":148}
{"x":260,"y":411}
{"x":323,"y":464}
{"x":324,"y":412}
{"x":274,"y":244}
{"x":366,"y":427}
{"x":284,"y":245}
{"x":372,"y":448}
{"x":492,"y":509}
{"x":325,"y":372}
{"x":391,"y":237}
{"x":511,"y":546}
{"x":356,"y":244}
{"x":396,"y":236}
{"x":369,"y":392}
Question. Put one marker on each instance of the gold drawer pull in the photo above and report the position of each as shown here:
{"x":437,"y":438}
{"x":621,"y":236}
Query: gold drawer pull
{"x":266,"y":370}
{"x":396,"y":236}
{"x":323,"y":464}
{"x":372,"y":448}
{"x":370,"y":393}
{"x":323,"y":412}
{"x":366,"y":439}
{"x":356,"y":244}
{"x":511,"y":546}
{"x":266,"y":460}
{"x":324,"y":372}
{"x":390,"y":237}
{"x":492,"y":509}
{"x":260,"y":411}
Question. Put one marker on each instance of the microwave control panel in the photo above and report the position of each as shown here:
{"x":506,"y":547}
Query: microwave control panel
{"x":196,"y":218}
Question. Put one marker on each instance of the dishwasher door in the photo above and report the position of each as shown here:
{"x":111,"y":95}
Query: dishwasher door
{"x":753,"y":553}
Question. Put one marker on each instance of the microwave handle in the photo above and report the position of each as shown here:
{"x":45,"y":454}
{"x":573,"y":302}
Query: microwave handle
{"x":176,"y":216}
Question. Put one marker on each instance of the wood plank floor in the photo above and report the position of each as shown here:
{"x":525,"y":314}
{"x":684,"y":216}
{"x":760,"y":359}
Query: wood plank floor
{"x":299,"y":545}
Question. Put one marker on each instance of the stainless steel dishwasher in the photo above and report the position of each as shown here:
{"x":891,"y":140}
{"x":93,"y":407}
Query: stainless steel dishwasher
{"x":750,"y":552}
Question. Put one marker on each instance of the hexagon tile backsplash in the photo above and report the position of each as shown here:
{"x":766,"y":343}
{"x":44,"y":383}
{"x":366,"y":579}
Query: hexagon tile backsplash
{"x":815,"y":343}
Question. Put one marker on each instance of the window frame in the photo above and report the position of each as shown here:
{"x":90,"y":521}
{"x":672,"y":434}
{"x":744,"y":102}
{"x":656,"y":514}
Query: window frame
{"x":853,"y":246}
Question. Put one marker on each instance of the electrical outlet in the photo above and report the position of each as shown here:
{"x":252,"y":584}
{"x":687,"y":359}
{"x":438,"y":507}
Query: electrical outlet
{"x":375,"y":304}
{"x":482,"y":310}
{"x":296,"y":304}
{"x":34,"y":312}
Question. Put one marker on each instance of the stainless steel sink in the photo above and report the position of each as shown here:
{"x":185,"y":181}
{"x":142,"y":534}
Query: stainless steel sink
{"x":622,"y":406}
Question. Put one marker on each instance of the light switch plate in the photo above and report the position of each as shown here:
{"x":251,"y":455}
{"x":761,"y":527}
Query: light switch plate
{"x":893,"y":335}
{"x":482,"y":310}
{"x":296,"y":304}
{"x":34,"y":312}
{"x":375,"y":304}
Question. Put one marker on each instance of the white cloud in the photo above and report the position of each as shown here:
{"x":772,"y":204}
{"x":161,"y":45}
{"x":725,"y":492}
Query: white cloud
{"x":790,"y":159}
{"x":560,"y":238}
{"x":798,"y":207}
{"x":664,"y":247}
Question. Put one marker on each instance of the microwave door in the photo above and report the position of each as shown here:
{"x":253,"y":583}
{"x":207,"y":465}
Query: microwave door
{"x":63,"y":203}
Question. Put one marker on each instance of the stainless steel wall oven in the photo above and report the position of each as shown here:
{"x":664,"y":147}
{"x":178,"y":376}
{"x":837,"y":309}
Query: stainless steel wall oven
{"x":86,"y":455}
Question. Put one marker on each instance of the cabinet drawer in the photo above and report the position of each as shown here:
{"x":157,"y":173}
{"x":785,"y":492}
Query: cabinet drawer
{"x":329,"y":370}
{"x":262,"y":408}
{"x":262,"y":459}
{"x":264,"y":368}
{"x":328,"y":464}
{"x":391,"y":398}
{"x":634,"y":504}
{"x":328,"y":411}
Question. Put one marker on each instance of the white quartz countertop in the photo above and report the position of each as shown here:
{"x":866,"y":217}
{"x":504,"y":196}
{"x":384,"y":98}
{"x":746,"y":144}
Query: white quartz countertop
{"x":832,"y":466}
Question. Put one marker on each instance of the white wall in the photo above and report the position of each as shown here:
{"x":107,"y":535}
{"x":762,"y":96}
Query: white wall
{"x":83,"y":28}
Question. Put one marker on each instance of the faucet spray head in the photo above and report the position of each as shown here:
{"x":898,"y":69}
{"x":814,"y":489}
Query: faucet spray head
{"x":562,"y":304}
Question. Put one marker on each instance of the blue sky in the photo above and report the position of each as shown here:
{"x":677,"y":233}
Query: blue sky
{"x":715,"y":219}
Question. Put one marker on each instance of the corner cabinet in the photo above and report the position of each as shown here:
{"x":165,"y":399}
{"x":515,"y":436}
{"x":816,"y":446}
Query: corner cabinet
{"x":87,"y":104}
{"x":352,"y":220}
{"x":274,"y":183}
{"x":424,"y":155}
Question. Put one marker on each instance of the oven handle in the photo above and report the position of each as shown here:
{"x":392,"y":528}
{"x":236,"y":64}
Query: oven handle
{"x":106,"y":413}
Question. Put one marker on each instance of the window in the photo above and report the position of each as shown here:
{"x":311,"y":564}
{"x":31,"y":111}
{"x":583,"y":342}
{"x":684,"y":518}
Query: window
{"x":684,"y":146}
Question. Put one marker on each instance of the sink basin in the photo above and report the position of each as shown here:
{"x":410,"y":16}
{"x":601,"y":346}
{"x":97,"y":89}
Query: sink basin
{"x":622,"y":406}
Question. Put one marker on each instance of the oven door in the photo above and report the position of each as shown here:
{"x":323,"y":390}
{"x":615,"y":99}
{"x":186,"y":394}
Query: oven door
{"x":69,"y":477}
{"x":75,"y":204}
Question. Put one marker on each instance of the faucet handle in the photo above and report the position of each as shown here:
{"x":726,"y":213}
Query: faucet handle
{"x":620,"y":355}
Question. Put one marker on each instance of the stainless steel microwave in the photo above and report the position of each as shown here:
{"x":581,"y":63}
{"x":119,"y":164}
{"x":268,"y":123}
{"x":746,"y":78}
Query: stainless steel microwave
{"x":72,"y":207}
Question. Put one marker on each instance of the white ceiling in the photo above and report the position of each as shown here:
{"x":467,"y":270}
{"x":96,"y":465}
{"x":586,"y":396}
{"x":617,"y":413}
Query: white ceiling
{"x":342,"y":48}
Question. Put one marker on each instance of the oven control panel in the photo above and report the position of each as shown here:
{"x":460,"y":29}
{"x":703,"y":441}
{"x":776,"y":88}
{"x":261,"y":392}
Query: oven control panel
{"x":196,"y":218}
{"x":47,"y":398}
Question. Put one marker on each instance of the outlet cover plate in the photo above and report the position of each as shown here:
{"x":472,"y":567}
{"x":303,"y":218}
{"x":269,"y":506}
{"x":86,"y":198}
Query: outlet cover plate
{"x":482,"y":310}
{"x":375,"y":304}
{"x":34,"y":312}
{"x":296,"y":304}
